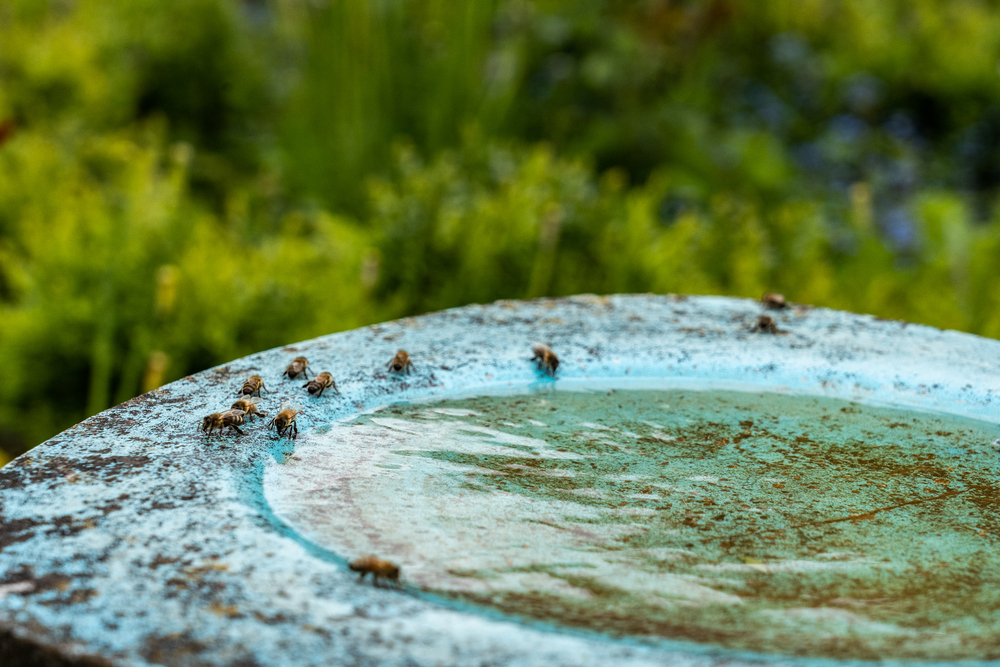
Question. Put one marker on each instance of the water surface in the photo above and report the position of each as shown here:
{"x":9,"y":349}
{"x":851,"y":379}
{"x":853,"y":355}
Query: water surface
{"x":767,"y":522}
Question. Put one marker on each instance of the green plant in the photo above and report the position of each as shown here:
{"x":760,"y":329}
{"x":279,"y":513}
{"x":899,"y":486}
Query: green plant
{"x":185,"y":183}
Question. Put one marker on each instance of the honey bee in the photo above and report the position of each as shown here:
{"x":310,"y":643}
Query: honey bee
{"x":284,"y":421}
{"x":249,"y":406}
{"x":547,"y":359}
{"x":321,"y":382}
{"x":766,"y":324}
{"x":400,"y":362}
{"x":210,"y":422}
{"x":377,"y":567}
{"x":296,"y":368}
{"x":229,"y":419}
{"x":773,"y":301}
{"x":252,"y":386}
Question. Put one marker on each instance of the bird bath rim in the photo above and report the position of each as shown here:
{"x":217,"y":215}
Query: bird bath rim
{"x":131,"y":510}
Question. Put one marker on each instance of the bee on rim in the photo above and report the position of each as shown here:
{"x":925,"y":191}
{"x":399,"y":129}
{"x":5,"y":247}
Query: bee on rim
{"x":252,"y":386}
{"x":249,"y":406}
{"x":547,"y":359}
{"x":766,"y":324}
{"x":774,"y":301}
{"x":231,"y":419}
{"x":321,"y":382}
{"x":296,"y":368}
{"x":401,"y":362}
{"x":284,"y":421}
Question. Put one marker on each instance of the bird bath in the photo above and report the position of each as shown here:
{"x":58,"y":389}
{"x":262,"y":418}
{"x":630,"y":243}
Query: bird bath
{"x":684,"y":491}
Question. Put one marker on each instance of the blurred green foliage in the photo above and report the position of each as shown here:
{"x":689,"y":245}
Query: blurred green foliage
{"x":186,"y":182}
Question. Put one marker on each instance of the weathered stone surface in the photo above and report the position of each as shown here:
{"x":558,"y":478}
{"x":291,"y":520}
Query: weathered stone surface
{"x":132,"y":539}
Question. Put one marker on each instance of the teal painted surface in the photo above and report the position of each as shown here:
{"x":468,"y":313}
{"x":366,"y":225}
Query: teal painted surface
{"x":134,"y":538}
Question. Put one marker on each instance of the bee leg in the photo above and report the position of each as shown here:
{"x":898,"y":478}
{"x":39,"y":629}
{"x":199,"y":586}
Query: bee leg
{"x":409,"y":366}
{"x":321,"y":390}
{"x":335,"y":388}
{"x":306,"y":374}
{"x":293,"y":426}
{"x":237,"y":429}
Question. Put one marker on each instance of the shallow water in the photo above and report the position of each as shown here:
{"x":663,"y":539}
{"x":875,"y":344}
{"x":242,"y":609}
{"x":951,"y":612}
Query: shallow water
{"x":767,"y":522}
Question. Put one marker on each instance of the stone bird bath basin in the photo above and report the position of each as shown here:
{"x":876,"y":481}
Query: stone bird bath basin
{"x":685,"y":491}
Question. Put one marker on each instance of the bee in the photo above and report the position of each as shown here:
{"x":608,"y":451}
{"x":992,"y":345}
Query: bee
{"x":773,"y":301}
{"x":766,"y":324}
{"x":400,"y":362}
{"x":321,"y":382}
{"x":547,"y":359}
{"x":296,"y":368}
{"x":284,"y":421}
{"x":249,"y":406}
{"x":229,"y":419}
{"x":252,"y":386}
{"x":210,"y":422}
{"x":377,"y":567}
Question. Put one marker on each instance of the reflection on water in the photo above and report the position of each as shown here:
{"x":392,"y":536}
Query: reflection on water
{"x":758,"y":521}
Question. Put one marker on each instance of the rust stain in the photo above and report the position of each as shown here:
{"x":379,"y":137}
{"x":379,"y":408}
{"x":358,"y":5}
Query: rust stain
{"x":865,"y":516}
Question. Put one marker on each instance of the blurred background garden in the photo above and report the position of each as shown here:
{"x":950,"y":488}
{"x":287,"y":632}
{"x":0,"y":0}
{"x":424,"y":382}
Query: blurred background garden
{"x":184,"y":182}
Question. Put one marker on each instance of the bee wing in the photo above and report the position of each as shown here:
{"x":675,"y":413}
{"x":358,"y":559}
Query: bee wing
{"x":285,"y":405}
{"x":255,"y":399}
{"x":539,"y":348}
